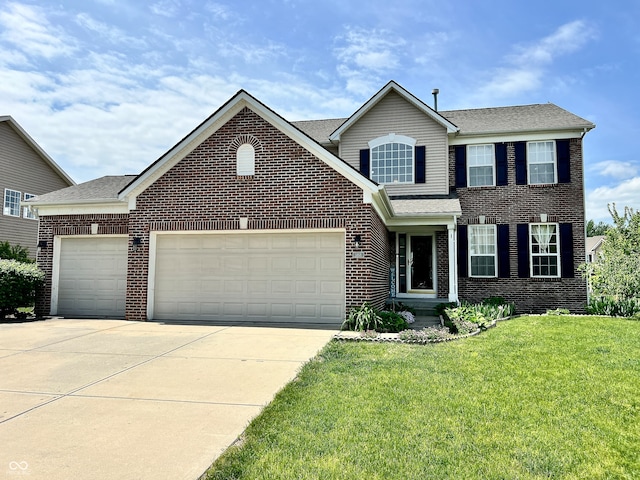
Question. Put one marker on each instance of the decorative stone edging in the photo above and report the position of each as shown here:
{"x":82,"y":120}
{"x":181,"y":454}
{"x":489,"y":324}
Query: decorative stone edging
{"x":351,"y":336}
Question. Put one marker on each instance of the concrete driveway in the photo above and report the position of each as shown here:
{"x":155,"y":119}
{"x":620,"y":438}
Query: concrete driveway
{"x":112,"y":399}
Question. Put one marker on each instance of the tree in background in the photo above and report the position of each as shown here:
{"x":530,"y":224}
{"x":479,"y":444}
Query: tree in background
{"x":15,"y":252}
{"x":594,"y":230}
{"x":615,"y":279}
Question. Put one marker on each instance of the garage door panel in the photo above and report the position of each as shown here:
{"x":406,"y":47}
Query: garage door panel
{"x":92,"y":277}
{"x":262,"y":276}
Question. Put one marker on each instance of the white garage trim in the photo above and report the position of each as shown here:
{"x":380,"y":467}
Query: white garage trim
{"x":55,"y":268}
{"x":153,"y":253}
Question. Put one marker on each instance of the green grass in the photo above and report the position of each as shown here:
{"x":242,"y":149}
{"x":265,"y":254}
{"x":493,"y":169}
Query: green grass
{"x":536,"y":397}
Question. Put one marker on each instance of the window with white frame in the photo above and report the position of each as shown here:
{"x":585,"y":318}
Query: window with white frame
{"x":481,"y":165}
{"x":26,"y":211}
{"x":482,"y":250}
{"x":545,"y":251}
{"x":541,"y":160}
{"x":245,"y":160}
{"x":11,"y":202}
{"x":392,"y":159}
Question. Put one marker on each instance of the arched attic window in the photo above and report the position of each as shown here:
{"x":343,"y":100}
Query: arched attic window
{"x":392,"y":159}
{"x":245,"y":160}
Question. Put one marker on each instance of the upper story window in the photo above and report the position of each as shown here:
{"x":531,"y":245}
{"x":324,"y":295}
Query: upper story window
{"x":11,"y":202}
{"x":482,"y":250}
{"x":541,"y":160}
{"x":392,"y":159}
{"x":481,"y":165}
{"x":245,"y":160}
{"x":26,"y":211}
{"x":545,"y":251}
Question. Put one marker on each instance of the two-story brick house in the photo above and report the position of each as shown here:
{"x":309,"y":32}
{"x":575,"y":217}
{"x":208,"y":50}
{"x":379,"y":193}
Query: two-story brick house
{"x":25,"y":172}
{"x":252,"y":217}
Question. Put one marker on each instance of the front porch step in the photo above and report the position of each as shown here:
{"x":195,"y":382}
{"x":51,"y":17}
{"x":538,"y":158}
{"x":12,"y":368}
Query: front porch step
{"x":422,"y":306}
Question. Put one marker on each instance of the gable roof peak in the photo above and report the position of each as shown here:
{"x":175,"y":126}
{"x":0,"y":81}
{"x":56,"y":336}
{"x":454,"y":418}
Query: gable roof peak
{"x":393,"y":86}
{"x":37,"y":148}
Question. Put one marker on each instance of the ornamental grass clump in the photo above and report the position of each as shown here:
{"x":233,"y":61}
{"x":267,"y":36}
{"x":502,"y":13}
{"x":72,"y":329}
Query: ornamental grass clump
{"x":366,"y":317}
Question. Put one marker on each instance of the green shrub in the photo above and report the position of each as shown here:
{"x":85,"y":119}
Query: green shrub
{"x":441,"y":307}
{"x":392,"y":322}
{"x":614,"y":307}
{"x":15,"y":252}
{"x":366,"y":317}
{"x":18,"y":284}
{"x":478,"y":315}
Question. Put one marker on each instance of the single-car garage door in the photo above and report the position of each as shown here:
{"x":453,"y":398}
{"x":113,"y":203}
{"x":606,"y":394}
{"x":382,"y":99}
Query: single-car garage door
{"x":277,"y":277}
{"x":92,"y":279}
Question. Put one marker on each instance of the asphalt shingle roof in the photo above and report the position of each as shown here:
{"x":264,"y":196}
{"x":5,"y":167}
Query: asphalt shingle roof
{"x":537,"y":117}
{"x":522,"y":118}
{"x":104,"y":188}
{"x":319,"y":130}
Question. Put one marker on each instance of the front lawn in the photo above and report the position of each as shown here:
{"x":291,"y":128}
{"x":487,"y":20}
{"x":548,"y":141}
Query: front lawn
{"x":536,"y":397}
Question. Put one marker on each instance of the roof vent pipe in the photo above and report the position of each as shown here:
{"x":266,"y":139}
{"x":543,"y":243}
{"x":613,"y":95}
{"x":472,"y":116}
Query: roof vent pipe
{"x":435,"y":92}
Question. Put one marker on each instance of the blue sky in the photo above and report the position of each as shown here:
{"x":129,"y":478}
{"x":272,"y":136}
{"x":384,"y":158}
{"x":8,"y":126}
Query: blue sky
{"x":107,"y":86}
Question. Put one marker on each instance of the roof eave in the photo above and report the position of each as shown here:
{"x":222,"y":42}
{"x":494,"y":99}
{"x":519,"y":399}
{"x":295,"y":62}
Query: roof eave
{"x":32,"y":143}
{"x":415,"y":101}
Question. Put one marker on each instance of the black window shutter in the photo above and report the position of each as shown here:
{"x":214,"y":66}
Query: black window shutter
{"x":523,"y":250}
{"x":501,"y":164}
{"x":461,"y":166}
{"x":421,"y":154}
{"x":463,"y":246}
{"x":564,"y":157}
{"x":364,"y":162}
{"x":566,"y":250}
{"x":521,"y":162}
{"x":503,"y":251}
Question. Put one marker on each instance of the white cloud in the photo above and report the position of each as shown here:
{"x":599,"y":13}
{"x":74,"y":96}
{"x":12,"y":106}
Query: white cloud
{"x":615,"y":169}
{"x":566,"y":39}
{"x":27,"y":28}
{"x":367,"y":54}
{"x":218,"y":10}
{"x":166,"y":8}
{"x":108,"y":32}
{"x":527,"y":67}
{"x":624,"y":194}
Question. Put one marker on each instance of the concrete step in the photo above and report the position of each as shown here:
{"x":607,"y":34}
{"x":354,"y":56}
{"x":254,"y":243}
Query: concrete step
{"x":422,"y":306}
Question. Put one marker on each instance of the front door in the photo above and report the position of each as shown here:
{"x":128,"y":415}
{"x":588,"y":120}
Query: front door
{"x":420,"y":264}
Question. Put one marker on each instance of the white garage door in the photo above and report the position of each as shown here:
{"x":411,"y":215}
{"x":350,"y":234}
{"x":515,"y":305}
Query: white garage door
{"x":92,"y":279}
{"x":277,"y":277}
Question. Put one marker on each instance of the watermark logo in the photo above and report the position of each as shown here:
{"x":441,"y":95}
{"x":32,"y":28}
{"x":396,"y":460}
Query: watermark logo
{"x":18,"y":468}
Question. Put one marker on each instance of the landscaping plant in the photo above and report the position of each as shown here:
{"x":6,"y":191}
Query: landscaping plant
{"x":18,"y":285}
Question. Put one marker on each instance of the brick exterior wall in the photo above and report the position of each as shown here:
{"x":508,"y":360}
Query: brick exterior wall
{"x":50,"y":226}
{"x":517,"y":204}
{"x":290,"y":189}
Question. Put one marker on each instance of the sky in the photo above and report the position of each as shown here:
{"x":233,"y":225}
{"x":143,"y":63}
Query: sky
{"x":105,"y":87}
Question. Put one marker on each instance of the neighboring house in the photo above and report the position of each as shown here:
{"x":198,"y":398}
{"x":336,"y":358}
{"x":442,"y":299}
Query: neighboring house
{"x":593,"y":247}
{"x":25,"y":171}
{"x":252,"y":217}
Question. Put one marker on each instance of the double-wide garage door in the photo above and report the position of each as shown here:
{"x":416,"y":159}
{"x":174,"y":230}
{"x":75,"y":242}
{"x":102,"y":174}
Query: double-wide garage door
{"x":278,"y":277}
{"x":92,"y":278}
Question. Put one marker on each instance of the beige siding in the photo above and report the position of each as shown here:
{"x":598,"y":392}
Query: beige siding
{"x":393,"y":114}
{"x":22,"y":169}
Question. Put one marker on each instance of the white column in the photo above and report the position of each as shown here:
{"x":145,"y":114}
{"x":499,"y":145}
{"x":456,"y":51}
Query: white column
{"x":453,"y":263}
